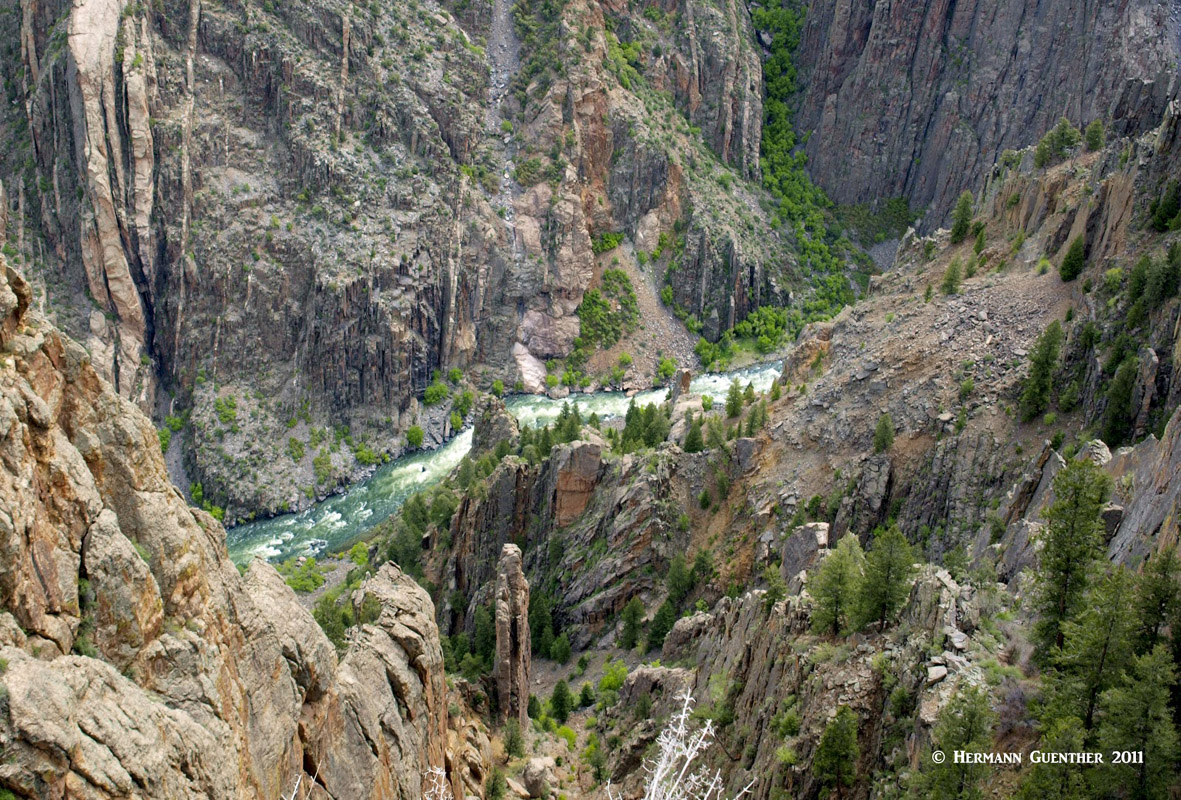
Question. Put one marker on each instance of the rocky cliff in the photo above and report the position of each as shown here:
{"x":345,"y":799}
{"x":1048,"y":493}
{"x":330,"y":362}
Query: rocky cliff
{"x":266,"y":221}
{"x":135,"y":661}
{"x":919,"y":99}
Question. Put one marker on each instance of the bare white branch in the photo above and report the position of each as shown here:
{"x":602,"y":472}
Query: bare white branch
{"x":673,"y":773}
{"x":437,"y":787}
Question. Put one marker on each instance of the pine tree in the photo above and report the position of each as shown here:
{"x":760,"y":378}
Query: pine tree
{"x":952,"y":278}
{"x":633,"y":613}
{"x":694,"y":443}
{"x":1117,"y":417}
{"x":1158,"y":598}
{"x":560,"y":650}
{"x":734,"y":400}
{"x":679,"y":581}
{"x":835,"y":763}
{"x":1035,"y":393}
{"x":835,"y":586}
{"x":1098,"y":643}
{"x":1136,"y":717}
{"x":1074,"y":261}
{"x":1046,"y":781}
{"x":883,"y":434}
{"x":561,"y":702}
{"x":964,"y":724}
{"x":662,"y":623}
{"x":748,"y":394}
{"x":1095,"y":135}
{"x":1070,"y":548}
{"x":888,"y":569}
{"x":961,"y":218}
{"x":484,"y":641}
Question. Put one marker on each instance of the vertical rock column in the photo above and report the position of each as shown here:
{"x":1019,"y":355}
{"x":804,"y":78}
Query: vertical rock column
{"x":511,"y":668}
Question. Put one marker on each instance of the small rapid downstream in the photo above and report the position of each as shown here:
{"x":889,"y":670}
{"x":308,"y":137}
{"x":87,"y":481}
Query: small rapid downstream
{"x":329,"y":524}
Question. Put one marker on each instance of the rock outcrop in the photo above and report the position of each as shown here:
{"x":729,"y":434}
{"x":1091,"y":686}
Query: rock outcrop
{"x":139,"y":663}
{"x":918,"y":100}
{"x":514,"y":651}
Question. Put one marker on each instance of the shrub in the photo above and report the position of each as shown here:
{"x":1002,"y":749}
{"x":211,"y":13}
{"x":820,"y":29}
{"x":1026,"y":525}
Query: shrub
{"x":883,"y":434}
{"x":436,"y":393}
{"x":414,"y":436}
{"x":1074,"y":261}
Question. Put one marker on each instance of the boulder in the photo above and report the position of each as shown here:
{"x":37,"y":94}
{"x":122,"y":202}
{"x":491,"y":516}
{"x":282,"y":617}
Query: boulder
{"x":538,"y":776}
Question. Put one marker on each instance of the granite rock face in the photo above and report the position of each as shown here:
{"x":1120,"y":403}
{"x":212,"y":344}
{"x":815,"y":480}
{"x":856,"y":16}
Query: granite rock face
{"x":919,"y":98}
{"x":140,"y":663}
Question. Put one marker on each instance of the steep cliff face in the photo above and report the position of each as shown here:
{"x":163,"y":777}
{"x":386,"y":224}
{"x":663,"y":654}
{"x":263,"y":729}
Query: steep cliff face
{"x":918,"y":99}
{"x":136,"y":661}
{"x":299,"y":212}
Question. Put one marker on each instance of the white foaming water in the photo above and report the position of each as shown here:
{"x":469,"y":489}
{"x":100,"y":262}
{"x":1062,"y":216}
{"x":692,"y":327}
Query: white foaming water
{"x":331,"y":523}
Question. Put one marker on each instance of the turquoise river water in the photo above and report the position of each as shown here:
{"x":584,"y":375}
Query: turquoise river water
{"x":333,"y":522}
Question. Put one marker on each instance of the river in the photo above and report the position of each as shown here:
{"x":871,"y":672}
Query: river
{"x":342,"y":517}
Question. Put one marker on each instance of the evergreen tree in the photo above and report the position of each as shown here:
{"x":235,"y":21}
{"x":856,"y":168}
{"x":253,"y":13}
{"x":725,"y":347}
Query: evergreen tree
{"x":961,"y":218}
{"x":1136,"y":717}
{"x":1047,"y":781}
{"x":662,"y":623}
{"x":1070,"y":546}
{"x":978,"y":248}
{"x":1098,"y":644}
{"x":561,"y":702}
{"x":1074,"y":261}
{"x":694,"y":443}
{"x":835,"y":763}
{"x":703,"y":567}
{"x":1158,"y":598}
{"x":1117,"y":417}
{"x":733,"y":400}
{"x":633,"y":613}
{"x":748,"y":394}
{"x":586,"y":697}
{"x":883,"y":434}
{"x":964,"y":724}
{"x":835,"y":586}
{"x":541,"y":624}
{"x":952,"y":278}
{"x":888,"y":569}
{"x":1095,"y":135}
{"x":484,"y":640}
{"x":679,"y":582}
{"x":560,"y":650}
{"x":1035,"y":393}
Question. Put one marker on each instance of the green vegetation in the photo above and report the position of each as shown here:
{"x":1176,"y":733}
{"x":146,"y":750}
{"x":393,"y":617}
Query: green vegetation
{"x":834,"y":587}
{"x":1056,"y":145}
{"x":305,"y":577}
{"x":835,"y":762}
{"x":952,"y":278}
{"x":1070,"y":546}
{"x":633,"y":614}
{"x":1035,"y":392}
{"x":889,"y":567}
{"x":226,"y":409}
{"x":961,"y":218}
{"x":883,"y":434}
{"x":869,"y":225}
{"x":415,"y":436}
{"x":606,"y":241}
{"x":1095,"y":135}
{"x":607,"y":313}
{"x":436,"y":393}
{"x":1074,"y":261}
{"x":964,"y":724}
